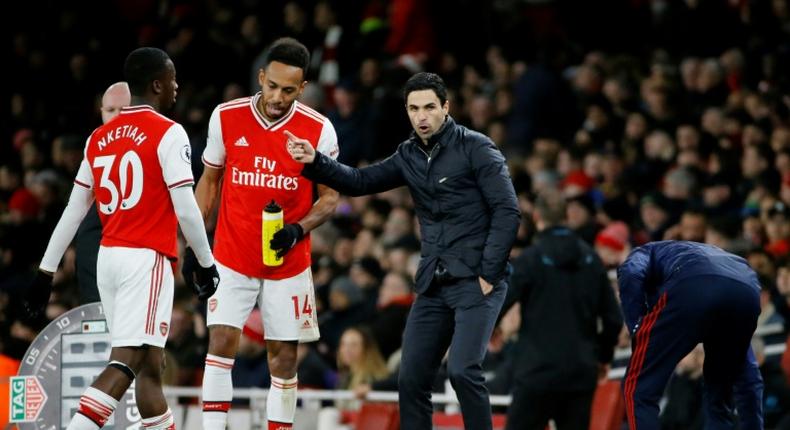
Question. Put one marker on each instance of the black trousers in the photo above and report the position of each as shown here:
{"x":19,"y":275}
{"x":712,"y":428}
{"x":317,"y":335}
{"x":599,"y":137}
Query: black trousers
{"x":87,"y":247}
{"x":532,"y":409}
{"x":460,"y":317}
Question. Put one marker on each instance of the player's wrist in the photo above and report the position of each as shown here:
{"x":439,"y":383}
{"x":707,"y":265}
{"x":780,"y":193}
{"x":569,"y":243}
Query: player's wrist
{"x":45,"y":272}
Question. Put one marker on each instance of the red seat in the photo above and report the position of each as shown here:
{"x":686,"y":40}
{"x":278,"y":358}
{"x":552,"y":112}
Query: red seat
{"x":456,"y":421}
{"x":608,"y":407}
{"x":378,"y":416}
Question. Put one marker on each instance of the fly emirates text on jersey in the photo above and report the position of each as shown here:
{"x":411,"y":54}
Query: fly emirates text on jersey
{"x":260,"y":177}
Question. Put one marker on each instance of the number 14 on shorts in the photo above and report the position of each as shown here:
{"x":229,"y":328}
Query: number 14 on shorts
{"x":305,"y":308}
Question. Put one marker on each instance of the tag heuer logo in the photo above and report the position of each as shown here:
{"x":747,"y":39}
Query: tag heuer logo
{"x":27,"y":398}
{"x":241,"y":142}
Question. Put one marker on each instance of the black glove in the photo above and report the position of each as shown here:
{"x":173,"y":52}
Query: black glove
{"x":286,"y":238}
{"x":203,"y":280}
{"x":206,"y":281}
{"x":34,"y":303}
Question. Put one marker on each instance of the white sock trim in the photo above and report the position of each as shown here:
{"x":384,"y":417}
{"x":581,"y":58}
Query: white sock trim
{"x":157,"y":422}
{"x":217,"y":361}
{"x":100,"y":396}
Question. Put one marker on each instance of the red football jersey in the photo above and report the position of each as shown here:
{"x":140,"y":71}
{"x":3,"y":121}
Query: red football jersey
{"x":258,"y":169}
{"x":131,"y":163}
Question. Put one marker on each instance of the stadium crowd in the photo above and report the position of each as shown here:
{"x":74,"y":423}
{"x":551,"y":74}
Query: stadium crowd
{"x":655,"y":119}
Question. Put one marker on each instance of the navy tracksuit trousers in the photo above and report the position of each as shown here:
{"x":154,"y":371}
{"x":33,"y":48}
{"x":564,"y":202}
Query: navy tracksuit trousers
{"x":719,"y":312}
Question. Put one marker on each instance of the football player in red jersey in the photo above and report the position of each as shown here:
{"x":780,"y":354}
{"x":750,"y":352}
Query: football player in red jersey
{"x":137,"y":167}
{"x":246,"y":154}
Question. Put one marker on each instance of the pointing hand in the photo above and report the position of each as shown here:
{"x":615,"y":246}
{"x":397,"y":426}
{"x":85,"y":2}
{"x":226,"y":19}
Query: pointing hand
{"x":300,"y":149}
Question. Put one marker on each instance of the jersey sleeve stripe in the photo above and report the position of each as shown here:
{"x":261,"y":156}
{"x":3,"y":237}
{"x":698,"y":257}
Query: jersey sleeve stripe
{"x":181,"y":183}
{"x":82,"y":184}
{"x":210,"y":164}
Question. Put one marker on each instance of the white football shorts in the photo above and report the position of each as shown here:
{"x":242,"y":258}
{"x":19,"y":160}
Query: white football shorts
{"x":287,"y":305}
{"x":136,"y":290}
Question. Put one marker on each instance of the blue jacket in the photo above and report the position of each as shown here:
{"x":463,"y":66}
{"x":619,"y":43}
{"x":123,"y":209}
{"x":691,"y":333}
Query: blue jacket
{"x":463,"y":197}
{"x":650,"y":269}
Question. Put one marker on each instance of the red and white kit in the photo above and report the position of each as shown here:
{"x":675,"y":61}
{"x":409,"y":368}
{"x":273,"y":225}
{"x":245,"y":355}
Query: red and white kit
{"x":132,"y":163}
{"x":258,"y":169}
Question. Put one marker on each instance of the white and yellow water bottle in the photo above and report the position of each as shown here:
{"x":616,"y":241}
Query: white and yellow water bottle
{"x":272,"y":223}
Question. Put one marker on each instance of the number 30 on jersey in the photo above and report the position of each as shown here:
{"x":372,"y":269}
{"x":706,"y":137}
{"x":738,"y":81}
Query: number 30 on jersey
{"x":130,"y":163}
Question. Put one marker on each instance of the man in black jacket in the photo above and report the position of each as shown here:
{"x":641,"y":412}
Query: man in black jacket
{"x":564,"y":292}
{"x":469,"y":216}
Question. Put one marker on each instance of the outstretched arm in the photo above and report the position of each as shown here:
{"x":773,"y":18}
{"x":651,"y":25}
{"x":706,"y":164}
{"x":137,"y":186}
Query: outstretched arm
{"x":382,"y":176}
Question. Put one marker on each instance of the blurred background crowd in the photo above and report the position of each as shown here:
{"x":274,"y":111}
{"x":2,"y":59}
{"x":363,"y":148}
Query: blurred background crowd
{"x":655,"y":119}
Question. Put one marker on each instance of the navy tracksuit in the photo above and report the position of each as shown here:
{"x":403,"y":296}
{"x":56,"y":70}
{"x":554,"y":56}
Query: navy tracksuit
{"x":675,"y":295}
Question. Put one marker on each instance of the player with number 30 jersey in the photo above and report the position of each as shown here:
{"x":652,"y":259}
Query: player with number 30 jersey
{"x":130,"y":186}
{"x":137,"y":169}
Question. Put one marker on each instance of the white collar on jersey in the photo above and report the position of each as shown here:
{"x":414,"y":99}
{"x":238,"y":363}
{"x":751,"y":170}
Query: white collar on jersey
{"x":265,"y":123}
{"x":136,"y":108}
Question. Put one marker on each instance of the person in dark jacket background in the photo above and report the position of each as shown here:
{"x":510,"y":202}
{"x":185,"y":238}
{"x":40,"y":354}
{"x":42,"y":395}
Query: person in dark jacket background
{"x":676,"y":294}
{"x":468,"y":213}
{"x":564,"y":293}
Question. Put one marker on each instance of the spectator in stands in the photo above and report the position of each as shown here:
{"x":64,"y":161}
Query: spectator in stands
{"x":776,"y":396}
{"x":251,"y":368}
{"x":313,"y":370}
{"x":692,"y":227}
{"x":346,"y":309}
{"x":777,"y":230}
{"x":394,"y":301}
{"x":564,"y":293}
{"x":581,"y":217}
{"x":185,"y":347}
{"x":612,"y":244}
{"x":352,"y":124}
{"x":769,"y":315}
{"x":781,"y":295}
{"x":366,"y":273}
{"x":358,"y":361}
{"x":655,"y":216}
